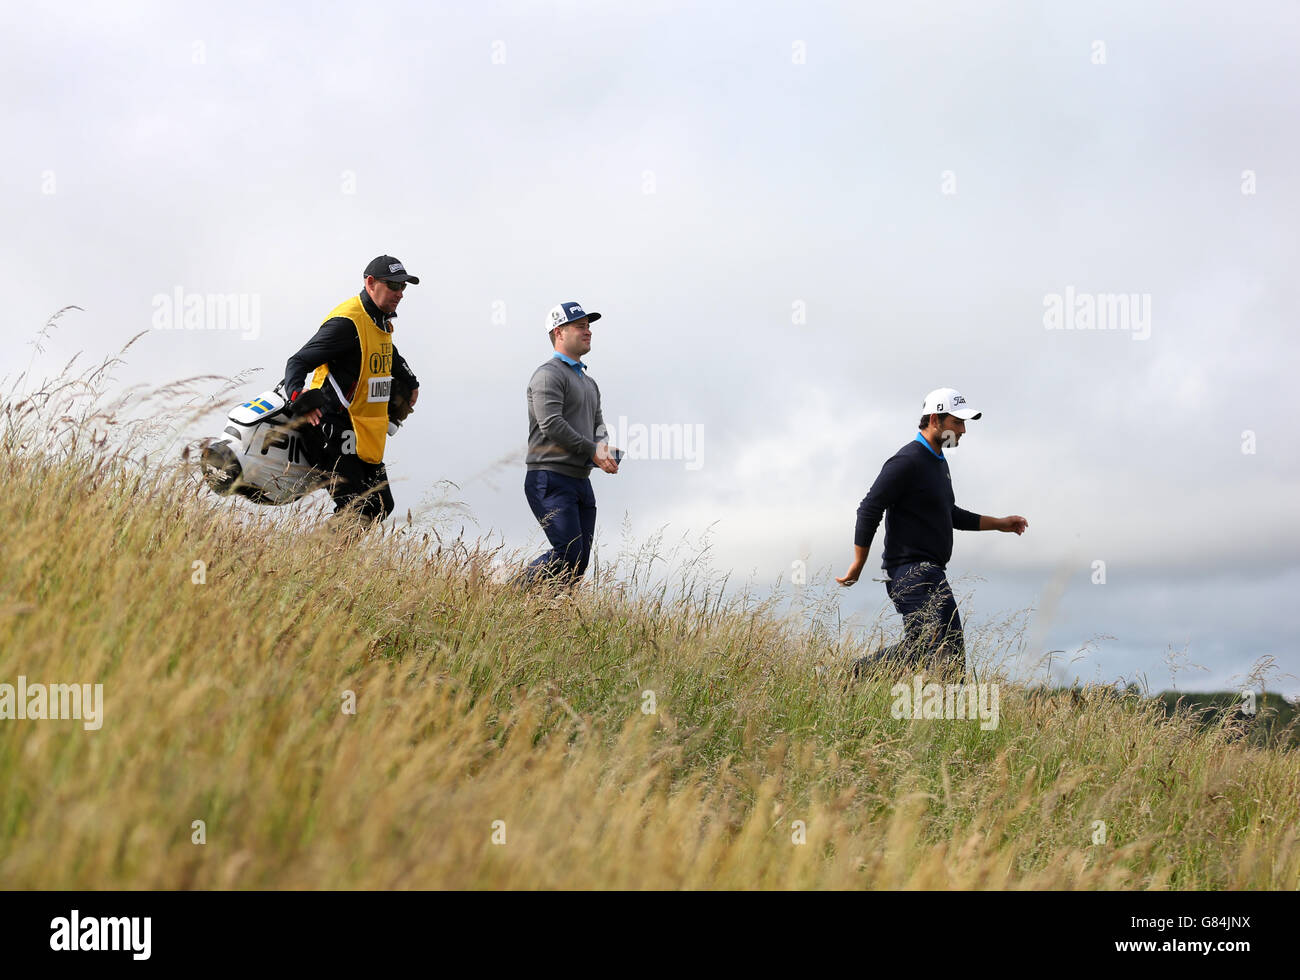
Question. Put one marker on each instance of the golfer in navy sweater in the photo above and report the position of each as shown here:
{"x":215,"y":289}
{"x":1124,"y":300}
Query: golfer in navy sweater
{"x":914,"y":493}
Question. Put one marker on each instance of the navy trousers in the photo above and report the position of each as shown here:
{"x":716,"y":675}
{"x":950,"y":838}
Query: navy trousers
{"x":566,"y":508}
{"x":932,"y":634}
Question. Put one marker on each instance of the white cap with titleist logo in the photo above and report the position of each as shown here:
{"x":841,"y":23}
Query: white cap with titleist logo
{"x":949,"y":400}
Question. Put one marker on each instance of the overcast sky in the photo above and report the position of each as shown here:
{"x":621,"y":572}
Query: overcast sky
{"x":796,"y":220}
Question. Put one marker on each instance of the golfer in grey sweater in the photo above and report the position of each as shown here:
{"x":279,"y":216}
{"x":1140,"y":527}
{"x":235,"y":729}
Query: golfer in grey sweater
{"x":566,"y":438}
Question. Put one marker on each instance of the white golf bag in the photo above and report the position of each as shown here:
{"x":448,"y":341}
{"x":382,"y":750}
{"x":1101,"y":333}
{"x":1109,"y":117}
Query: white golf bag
{"x":260,"y":454}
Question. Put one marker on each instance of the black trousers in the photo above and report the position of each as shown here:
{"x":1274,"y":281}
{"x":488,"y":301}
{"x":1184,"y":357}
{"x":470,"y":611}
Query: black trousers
{"x":932,"y":627}
{"x":357,"y":485}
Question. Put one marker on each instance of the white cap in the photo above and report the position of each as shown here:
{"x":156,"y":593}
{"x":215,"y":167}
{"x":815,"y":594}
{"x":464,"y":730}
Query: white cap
{"x":566,"y":313}
{"x":949,"y":400}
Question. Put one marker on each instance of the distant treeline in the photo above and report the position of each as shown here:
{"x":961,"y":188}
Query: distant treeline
{"x":1274,"y":723}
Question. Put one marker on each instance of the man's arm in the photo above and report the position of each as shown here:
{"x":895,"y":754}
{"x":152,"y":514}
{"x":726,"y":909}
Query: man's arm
{"x":402,"y":372}
{"x":336,"y":338}
{"x":1013,"y":523}
{"x":884,"y":492}
{"x":602,"y":457}
{"x":964,"y":520}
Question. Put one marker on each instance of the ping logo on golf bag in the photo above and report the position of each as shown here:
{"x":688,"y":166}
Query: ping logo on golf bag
{"x":380,"y":388}
{"x":281,"y":439}
{"x":259,"y":405}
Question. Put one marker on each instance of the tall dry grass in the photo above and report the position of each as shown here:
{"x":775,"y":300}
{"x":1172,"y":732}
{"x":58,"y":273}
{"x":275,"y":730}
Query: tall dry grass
{"x":499,"y":738}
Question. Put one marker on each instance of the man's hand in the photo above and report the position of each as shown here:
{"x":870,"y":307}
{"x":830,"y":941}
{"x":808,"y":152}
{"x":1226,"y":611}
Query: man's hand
{"x":306,"y":405}
{"x":855,"y":570}
{"x":852,"y":575}
{"x":401,"y":401}
{"x":1013,"y":523}
{"x":603,"y":459}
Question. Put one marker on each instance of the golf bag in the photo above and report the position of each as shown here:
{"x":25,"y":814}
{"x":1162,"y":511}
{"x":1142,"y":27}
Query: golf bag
{"x":262,"y":455}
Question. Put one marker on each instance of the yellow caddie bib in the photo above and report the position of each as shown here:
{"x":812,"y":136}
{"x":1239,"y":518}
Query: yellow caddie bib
{"x":368,"y":408}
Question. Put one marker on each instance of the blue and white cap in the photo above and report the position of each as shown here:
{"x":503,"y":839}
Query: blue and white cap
{"x":949,"y":400}
{"x":566,"y":313}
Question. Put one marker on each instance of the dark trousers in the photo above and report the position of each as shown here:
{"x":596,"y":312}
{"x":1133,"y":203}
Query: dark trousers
{"x":357,"y":486}
{"x":566,"y":508}
{"x":932,"y":634}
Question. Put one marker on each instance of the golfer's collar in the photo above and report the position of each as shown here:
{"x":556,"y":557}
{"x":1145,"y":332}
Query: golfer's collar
{"x":570,"y":361}
{"x":379,"y":316}
{"x":926,"y":443}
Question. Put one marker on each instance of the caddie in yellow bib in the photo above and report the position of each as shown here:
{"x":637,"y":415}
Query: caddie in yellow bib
{"x":344,"y":382}
{"x":368,"y":406}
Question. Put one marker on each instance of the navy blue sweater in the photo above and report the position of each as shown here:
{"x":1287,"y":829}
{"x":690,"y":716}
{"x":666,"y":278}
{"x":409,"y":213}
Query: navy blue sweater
{"x":914,"y":493}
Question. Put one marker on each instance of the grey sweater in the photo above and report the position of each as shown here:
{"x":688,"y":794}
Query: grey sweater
{"x":564,"y":420}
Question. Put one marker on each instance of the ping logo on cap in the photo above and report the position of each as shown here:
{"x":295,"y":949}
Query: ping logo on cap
{"x":396,"y":267}
{"x":563,"y":314}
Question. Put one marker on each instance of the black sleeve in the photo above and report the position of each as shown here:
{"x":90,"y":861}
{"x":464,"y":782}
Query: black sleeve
{"x":884,"y":492}
{"x":964,"y":520}
{"x":336,"y":339}
{"x":402,"y":371}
